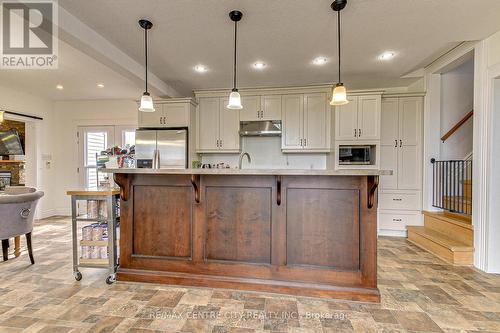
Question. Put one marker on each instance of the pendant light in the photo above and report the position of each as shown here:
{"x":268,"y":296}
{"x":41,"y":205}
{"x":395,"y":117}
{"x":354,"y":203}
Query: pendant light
{"x":234,"y":97}
{"x":2,"y":116}
{"x":339,"y":95}
{"x":146,"y":100}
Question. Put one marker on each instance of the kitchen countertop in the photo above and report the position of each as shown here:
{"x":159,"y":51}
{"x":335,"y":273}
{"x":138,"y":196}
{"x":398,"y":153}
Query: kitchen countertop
{"x":257,"y":172}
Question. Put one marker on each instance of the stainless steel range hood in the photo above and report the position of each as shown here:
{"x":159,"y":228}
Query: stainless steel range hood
{"x":260,"y":128}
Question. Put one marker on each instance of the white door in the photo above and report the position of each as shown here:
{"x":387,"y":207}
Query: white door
{"x":251,"y":108}
{"x":408,"y":168}
{"x":389,"y":161}
{"x":346,"y":120}
{"x":92,"y":141}
{"x":369,"y":117}
{"x":409,"y":120}
{"x":293,"y":120}
{"x":208,"y":124}
{"x":389,"y":126}
{"x":175,"y":115}
{"x":229,"y":127}
{"x":151,"y":119}
{"x":271,"y":107}
{"x":316,"y":122}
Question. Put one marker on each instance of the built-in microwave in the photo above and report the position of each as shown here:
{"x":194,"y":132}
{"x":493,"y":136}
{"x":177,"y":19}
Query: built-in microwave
{"x":355,"y":155}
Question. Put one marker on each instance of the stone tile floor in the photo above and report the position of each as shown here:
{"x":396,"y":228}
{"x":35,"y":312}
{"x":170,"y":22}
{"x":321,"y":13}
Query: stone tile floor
{"x":420,"y":293}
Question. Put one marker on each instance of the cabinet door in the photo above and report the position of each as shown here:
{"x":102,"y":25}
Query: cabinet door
{"x":229,"y":127}
{"x":410,"y":119}
{"x":316,"y":122}
{"x":369,"y":117}
{"x":208,"y":124}
{"x":271,"y":107}
{"x":409,"y":168}
{"x":293,"y":113}
{"x":251,"y":108}
{"x":389,"y":122}
{"x":389,"y":161}
{"x":346,"y":120}
{"x":175,"y":115}
{"x":151,"y":119}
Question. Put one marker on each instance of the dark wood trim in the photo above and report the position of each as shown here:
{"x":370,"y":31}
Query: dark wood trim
{"x":195,"y":180}
{"x":457,"y":126}
{"x":278,"y":190}
{"x":372,"y":188}
{"x":123,"y":180}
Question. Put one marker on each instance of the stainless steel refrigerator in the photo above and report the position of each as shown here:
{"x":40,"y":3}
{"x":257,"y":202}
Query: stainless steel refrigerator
{"x":171,"y":145}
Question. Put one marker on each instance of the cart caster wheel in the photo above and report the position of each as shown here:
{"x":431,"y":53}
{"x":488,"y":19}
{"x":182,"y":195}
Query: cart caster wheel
{"x":111,"y":279}
{"x":77,"y":275}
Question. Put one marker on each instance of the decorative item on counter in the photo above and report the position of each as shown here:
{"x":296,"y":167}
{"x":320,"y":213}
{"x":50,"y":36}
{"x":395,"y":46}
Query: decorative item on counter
{"x":196,"y":164}
{"x":221,"y":165}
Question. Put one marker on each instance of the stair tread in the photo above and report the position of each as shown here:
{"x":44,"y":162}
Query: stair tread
{"x":455,"y":220}
{"x":440,"y":239}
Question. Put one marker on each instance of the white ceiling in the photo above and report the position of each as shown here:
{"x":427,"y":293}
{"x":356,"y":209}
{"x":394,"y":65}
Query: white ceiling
{"x":77,"y":73}
{"x":286,"y":34}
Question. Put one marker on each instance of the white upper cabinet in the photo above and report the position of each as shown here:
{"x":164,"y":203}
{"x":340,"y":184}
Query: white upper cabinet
{"x":306,"y":123}
{"x":271,"y":107}
{"x":316,"y":122}
{"x":369,"y":117}
{"x":293,"y":115}
{"x":346,"y":120}
{"x":218,"y":126}
{"x":251,"y":108}
{"x":358,"y":120}
{"x":167,"y":114}
{"x":229,"y":127}
{"x":401,"y":143}
{"x":208,"y":124}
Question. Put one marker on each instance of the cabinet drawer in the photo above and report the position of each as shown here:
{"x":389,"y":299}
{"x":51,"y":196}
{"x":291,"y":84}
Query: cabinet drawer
{"x":400,"y":201}
{"x":398,"y":221}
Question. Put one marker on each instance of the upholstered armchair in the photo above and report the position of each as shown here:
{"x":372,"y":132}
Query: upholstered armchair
{"x":17,"y":209}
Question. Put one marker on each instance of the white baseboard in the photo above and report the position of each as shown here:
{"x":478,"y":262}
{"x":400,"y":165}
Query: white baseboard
{"x":63,"y":211}
{"x":392,"y":233}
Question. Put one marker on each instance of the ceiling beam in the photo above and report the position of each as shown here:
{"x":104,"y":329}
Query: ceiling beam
{"x":83,"y":38}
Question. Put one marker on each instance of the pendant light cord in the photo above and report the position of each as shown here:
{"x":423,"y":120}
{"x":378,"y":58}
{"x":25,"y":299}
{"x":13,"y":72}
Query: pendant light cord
{"x":338,"y":31}
{"x":235,"y":39}
{"x":146,"y":54}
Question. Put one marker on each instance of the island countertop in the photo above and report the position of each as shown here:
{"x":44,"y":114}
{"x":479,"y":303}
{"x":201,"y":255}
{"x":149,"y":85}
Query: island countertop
{"x":255,"y":172}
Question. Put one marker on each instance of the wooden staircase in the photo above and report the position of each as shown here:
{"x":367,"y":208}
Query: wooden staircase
{"x":449,"y":236}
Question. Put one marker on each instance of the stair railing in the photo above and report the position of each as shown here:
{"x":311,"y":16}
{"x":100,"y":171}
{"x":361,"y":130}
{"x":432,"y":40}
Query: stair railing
{"x":452,"y":185}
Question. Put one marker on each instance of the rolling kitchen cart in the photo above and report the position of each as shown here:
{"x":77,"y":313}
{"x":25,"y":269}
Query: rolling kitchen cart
{"x":108,"y":200}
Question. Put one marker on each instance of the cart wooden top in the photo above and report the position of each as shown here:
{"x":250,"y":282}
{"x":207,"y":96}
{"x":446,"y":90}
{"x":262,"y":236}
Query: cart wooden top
{"x":94,"y":191}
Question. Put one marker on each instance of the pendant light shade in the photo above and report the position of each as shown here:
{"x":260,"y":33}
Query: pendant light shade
{"x":146,"y":103}
{"x":234,"y":97}
{"x":1,"y":116}
{"x":146,"y":100}
{"x":339,"y":94}
{"x":235,"y":101}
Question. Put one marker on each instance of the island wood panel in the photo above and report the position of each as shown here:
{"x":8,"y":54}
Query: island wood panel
{"x":237,"y":231}
{"x":162,"y":221}
{"x":326,"y":221}
{"x":279,"y":277}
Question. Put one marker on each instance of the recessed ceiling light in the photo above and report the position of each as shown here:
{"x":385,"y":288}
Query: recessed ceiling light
{"x":100,"y":85}
{"x":259,"y":65}
{"x":320,"y":61}
{"x":60,"y":87}
{"x":200,"y":68}
{"x":388,"y":55}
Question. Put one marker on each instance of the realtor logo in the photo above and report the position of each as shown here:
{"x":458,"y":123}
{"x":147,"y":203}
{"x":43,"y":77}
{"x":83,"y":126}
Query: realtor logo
{"x":29,"y":34}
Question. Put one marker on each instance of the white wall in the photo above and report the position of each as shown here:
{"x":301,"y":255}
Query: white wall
{"x":68,"y":115}
{"x":39,"y":142}
{"x":266,"y":153}
{"x":457,"y":99}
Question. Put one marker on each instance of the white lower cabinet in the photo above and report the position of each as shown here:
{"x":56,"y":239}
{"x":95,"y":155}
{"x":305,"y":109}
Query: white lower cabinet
{"x":393,"y":223}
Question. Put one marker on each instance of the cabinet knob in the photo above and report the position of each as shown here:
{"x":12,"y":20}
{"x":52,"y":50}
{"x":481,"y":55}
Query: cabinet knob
{"x":359,"y":132}
{"x":400,"y":143}
{"x":396,"y":220}
{"x":355,"y":133}
{"x":396,"y":145}
{"x":397,"y":199}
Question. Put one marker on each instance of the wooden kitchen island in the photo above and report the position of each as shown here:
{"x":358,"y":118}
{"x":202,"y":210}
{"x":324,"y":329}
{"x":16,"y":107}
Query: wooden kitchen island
{"x":299,"y":232}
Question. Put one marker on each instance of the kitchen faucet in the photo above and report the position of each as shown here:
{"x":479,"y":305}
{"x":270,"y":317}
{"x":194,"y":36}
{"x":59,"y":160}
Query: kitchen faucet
{"x":241,"y":159}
